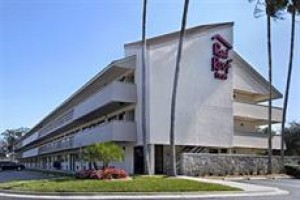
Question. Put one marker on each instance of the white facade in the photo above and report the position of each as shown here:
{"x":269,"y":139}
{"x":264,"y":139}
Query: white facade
{"x":212,"y":115}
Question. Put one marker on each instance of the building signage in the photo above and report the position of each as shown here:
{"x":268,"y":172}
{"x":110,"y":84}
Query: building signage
{"x":220,"y":62}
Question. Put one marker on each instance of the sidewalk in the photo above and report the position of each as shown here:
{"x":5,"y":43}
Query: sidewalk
{"x":248,"y":190}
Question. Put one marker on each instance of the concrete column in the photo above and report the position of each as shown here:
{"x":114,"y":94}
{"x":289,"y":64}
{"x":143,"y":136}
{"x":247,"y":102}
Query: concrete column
{"x":68,"y":162}
{"x":151,"y":150}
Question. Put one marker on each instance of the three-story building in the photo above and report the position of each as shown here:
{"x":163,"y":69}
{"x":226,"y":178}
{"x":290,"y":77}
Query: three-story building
{"x":219,"y":106}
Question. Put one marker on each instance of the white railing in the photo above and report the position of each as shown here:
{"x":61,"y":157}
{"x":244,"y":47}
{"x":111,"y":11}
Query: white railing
{"x":255,"y":111}
{"x":30,"y":153}
{"x":254,"y":140}
{"x":119,"y":131}
{"x":57,"y":146}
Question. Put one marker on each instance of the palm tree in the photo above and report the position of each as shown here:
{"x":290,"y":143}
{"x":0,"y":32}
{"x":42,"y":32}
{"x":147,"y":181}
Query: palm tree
{"x":144,"y":129}
{"x":272,"y":10}
{"x":293,"y":9}
{"x":105,"y":152}
{"x":174,"y":90}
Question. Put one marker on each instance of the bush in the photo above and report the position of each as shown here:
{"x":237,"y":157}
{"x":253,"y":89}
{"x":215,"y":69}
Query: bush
{"x":293,"y":170}
{"x":114,"y":174}
{"x":84,"y":174}
{"x":108,"y":173}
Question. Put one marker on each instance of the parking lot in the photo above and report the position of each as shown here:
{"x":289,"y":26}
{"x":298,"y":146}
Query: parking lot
{"x":13,"y":175}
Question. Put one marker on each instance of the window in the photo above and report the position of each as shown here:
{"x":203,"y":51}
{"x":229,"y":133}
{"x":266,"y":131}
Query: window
{"x":112,"y":118}
{"x":122,"y":79}
{"x":223,"y":150}
{"x":130,"y":78}
{"x":130,"y":115}
{"x":213,"y":151}
{"x":122,"y":116}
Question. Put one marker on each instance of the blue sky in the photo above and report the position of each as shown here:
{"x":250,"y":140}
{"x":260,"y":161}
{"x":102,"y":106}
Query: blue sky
{"x":49,"y":48}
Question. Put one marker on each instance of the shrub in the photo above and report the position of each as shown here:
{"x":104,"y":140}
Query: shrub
{"x":293,"y":170}
{"x":108,"y":173}
{"x":83,"y":174}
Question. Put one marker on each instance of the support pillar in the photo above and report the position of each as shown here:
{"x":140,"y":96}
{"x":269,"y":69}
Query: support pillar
{"x":151,"y":150}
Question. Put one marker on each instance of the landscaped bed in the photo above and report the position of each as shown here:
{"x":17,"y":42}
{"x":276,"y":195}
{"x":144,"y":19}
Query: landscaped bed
{"x":136,"y":184}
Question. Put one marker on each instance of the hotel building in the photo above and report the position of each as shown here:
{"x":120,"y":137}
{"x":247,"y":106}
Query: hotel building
{"x":220,"y":106}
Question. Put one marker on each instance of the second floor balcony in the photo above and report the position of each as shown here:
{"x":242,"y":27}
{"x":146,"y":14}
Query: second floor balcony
{"x":117,"y":131}
{"x":255,"y":112}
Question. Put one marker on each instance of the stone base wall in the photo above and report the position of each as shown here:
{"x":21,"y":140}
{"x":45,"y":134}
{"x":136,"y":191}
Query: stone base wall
{"x":193,"y":164}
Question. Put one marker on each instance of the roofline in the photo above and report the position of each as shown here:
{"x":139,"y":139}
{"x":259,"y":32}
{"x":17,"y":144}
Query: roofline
{"x":77,"y":92}
{"x":256,"y":73}
{"x":163,"y":37}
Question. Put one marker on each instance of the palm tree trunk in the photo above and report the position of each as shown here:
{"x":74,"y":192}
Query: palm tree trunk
{"x":287,"y":89}
{"x":174,"y":90}
{"x":269,"y":171}
{"x":144,"y":129}
{"x":95,"y":165}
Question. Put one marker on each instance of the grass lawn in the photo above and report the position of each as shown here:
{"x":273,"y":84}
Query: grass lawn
{"x":137,"y":184}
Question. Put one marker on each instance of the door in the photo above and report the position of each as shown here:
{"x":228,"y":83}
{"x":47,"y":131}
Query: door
{"x":138,"y":160}
{"x":159,"y":159}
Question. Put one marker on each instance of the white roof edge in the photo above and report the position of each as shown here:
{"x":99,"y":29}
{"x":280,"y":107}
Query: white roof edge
{"x":176,"y":33}
{"x":237,"y":56}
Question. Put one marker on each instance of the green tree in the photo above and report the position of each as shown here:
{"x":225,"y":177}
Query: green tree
{"x":273,"y":10}
{"x":10,"y":137}
{"x":105,"y":152}
{"x":174,"y":90}
{"x":2,"y":149}
{"x":294,"y":9}
{"x":292,"y":138}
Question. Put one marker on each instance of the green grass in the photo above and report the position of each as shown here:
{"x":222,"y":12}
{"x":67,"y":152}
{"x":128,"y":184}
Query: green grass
{"x":137,"y":184}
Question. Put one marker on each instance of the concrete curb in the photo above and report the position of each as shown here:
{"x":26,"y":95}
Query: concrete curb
{"x":258,"y":178}
{"x":249,"y":190}
{"x":143,"y":196}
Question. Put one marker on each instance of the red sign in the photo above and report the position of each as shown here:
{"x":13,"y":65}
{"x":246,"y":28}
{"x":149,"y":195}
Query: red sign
{"x":220,"y":63}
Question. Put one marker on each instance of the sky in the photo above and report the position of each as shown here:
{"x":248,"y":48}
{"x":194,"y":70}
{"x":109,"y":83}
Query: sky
{"x":50,"y":48}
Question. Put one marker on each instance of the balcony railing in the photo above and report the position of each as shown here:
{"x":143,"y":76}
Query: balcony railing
{"x":256,"y":112}
{"x":30,"y":153}
{"x":119,"y":131}
{"x":57,"y":146}
{"x":254,"y":140}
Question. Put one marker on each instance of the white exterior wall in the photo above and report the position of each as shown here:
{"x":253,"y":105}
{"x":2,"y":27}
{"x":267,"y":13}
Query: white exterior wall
{"x":138,"y":82}
{"x":204,"y":104}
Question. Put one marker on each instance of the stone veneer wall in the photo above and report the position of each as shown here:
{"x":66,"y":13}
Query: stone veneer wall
{"x":193,"y":164}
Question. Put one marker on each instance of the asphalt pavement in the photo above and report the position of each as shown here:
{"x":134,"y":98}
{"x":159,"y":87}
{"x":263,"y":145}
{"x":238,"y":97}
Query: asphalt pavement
{"x":13,"y":175}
